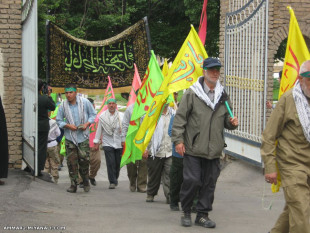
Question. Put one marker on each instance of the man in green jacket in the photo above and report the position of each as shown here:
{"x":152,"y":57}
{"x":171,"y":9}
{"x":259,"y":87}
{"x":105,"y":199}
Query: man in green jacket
{"x":289,"y":124}
{"x":198,"y":135}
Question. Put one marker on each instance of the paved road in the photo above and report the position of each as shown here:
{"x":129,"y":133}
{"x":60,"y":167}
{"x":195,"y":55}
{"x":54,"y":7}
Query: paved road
{"x":25,"y":202}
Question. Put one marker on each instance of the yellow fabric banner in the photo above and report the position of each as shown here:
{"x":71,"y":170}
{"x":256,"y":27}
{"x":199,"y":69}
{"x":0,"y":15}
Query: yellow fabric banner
{"x":296,"y":53}
{"x":183,"y":73}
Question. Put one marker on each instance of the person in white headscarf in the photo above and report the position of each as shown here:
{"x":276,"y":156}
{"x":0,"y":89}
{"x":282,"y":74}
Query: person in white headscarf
{"x":109,"y":127}
{"x":289,"y":124}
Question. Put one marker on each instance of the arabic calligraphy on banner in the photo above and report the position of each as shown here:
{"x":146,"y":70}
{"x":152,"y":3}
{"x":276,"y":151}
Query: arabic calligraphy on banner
{"x":89,"y":63}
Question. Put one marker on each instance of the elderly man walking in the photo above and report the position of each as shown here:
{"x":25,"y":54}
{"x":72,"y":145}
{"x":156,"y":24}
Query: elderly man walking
{"x":289,"y":124}
{"x":75,"y":115}
{"x":110,"y":128}
{"x":198,"y":135}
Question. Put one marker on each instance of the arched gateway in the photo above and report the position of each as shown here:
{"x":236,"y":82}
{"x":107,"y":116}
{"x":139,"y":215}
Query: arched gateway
{"x":250,"y":34}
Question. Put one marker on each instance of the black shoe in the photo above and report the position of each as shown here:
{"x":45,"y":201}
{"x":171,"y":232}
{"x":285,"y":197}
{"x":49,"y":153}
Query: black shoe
{"x":93,"y":181}
{"x":186,"y":220}
{"x":72,"y":189}
{"x":174,"y":207}
{"x":81,"y":185}
{"x":204,"y":221}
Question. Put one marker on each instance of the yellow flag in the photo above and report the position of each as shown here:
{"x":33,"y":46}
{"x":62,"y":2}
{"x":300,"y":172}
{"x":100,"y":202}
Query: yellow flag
{"x":165,"y":68}
{"x":183,"y":73}
{"x":296,"y":53}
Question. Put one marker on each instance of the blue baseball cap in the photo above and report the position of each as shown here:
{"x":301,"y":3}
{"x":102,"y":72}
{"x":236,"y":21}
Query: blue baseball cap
{"x":211,"y":62}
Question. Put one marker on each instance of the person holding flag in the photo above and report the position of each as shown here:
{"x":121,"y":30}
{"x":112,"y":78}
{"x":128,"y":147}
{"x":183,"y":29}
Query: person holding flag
{"x":198,"y":135}
{"x":289,"y":123}
{"x":109,"y":127}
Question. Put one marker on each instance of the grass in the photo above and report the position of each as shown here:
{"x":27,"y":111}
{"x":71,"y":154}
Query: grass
{"x":276,"y":86}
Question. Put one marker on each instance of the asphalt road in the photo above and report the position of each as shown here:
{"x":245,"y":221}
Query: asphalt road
{"x":30,"y":205}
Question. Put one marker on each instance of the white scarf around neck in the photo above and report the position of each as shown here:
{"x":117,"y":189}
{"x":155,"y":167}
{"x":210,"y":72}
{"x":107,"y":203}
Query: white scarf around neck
{"x":110,"y":122}
{"x":70,"y":120}
{"x":198,"y":89}
{"x":303,"y":109}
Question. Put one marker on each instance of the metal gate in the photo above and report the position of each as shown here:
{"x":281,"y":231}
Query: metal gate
{"x":30,"y":77}
{"x":246,"y":40}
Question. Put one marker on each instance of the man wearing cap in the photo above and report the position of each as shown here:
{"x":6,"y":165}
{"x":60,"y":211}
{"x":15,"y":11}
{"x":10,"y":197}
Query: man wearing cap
{"x":289,"y":124}
{"x":109,"y":127}
{"x":198,"y":135}
{"x":75,"y":115}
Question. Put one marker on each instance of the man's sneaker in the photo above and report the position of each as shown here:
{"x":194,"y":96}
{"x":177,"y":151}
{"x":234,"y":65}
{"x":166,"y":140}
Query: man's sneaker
{"x":149,"y":198}
{"x":204,"y":221}
{"x":86,"y":186}
{"x":112,"y":186}
{"x":93,"y":181}
{"x":72,"y":189}
{"x":174,"y":207}
{"x":186,"y":220}
{"x":81,"y":185}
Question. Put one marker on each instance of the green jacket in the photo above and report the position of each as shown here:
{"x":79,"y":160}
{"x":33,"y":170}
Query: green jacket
{"x":199,"y":127}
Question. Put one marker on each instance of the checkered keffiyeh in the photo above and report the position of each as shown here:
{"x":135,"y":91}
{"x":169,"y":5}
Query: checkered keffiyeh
{"x":303,"y":109}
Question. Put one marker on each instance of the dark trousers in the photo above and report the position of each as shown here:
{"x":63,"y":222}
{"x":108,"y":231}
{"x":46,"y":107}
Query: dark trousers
{"x":176,"y":179}
{"x":158,"y":170}
{"x":199,"y":174}
{"x":113,"y":161}
{"x":137,"y":174}
{"x":42,"y":149}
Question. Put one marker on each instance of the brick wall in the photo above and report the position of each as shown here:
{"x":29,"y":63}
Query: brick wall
{"x":11,"y":75}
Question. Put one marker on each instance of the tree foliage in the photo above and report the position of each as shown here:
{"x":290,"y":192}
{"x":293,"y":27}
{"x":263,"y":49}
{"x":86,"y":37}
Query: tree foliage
{"x":169,"y":21}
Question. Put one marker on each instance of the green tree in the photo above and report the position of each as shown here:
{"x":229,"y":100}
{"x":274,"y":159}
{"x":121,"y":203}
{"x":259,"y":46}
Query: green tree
{"x":169,"y":21}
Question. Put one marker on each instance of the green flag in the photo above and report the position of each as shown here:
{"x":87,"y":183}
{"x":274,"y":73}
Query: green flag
{"x":151,"y":82}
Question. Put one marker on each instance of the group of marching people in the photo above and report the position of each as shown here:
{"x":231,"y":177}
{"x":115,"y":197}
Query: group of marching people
{"x":183,"y":153}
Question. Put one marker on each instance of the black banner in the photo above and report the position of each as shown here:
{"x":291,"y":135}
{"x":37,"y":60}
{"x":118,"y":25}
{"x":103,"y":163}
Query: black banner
{"x":89,"y":63}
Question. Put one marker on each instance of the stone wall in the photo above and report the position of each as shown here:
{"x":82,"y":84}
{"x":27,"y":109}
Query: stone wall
{"x":11,"y":75}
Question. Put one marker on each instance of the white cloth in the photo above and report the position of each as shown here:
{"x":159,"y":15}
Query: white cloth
{"x":109,"y":121}
{"x":160,"y":145}
{"x":199,"y":91}
{"x":69,"y":117}
{"x":303,"y":109}
{"x":53,"y":133}
{"x":113,"y":140}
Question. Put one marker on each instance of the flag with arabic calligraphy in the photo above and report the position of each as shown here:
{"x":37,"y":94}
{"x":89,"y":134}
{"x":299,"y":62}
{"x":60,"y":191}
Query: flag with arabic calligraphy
{"x":136,"y":83}
{"x":185,"y":70}
{"x":88,"y":63}
{"x":296,"y":53}
{"x":150,"y":84}
{"x":104,"y":106}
